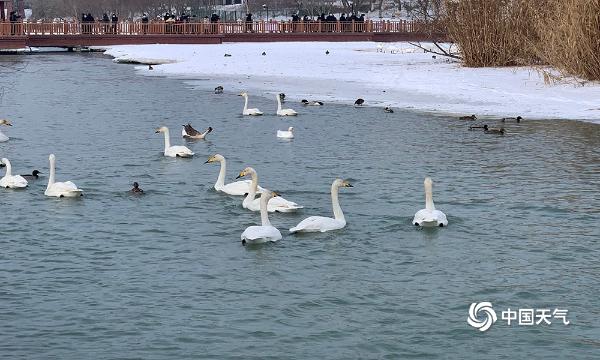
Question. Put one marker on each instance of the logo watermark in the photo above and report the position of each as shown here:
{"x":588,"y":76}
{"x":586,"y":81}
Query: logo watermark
{"x":482,"y":316}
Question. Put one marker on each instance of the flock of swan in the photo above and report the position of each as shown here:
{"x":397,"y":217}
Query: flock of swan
{"x":268,"y":201}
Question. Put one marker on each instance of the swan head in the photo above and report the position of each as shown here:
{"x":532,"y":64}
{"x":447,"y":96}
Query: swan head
{"x":52,"y":157}
{"x":5,"y":122}
{"x":215,"y":158}
{"x":291,"y":129}
{"x":4,"y":161}
{"x":342,"y":183}
{"x":161,"y":129}
{"x":244,"y":94}
{"x":245,"y":172}
{"x":428,"y":182}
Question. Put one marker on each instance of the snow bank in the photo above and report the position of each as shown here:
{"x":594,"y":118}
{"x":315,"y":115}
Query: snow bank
{"x":407,"y":78}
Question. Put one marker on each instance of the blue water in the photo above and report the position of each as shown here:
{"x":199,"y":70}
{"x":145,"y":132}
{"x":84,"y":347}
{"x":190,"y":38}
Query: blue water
{"x":164,"y":275}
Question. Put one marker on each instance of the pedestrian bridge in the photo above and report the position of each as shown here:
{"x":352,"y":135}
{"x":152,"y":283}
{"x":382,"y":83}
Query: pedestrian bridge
{"x":76,"y":34}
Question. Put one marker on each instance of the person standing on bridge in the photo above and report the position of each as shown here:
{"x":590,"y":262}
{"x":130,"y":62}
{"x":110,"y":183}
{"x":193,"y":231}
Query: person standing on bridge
{"x":105,"y":21}
{"x":114,"y":19}
{"x":145,"y":23}
{"x":248,"y":22}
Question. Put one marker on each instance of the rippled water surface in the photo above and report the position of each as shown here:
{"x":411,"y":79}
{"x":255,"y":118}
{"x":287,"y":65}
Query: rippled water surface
{"x":164,"y":275}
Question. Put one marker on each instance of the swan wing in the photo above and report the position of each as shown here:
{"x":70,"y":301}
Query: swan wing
{"x":318,"y":223}
{"x":428,"y":218}
{"x":180,"y":150}
{"x":3,"y":137}
{"x":15,"y":181}
{"x":280,"y":204}
{"x":260,"y":234}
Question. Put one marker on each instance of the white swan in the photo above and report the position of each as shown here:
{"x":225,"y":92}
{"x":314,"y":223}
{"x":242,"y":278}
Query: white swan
{"x":429,"y":217}
{"x":275,"y":204}
{"x":3,"y":137}
{"x":321,"y":223}
{"x":246,"y":111}
{"x":189,"y":132}
{"x":173,"y":151}
{"x":283,"y":112}
{"x":60,"y":189}
{"x":237,"y":188}
{"x":289,"y":134}
{"x":9,"y":180}
{"x":265,"y":232}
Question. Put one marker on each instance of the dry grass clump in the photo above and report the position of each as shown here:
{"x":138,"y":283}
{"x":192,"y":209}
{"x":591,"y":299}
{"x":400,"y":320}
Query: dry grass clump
{"x":493,"y":32}
{"x":569,"y":37}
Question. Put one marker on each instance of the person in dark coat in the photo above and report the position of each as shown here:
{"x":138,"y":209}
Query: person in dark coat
{"x":248,"y":22}
{"x":114,"y":20}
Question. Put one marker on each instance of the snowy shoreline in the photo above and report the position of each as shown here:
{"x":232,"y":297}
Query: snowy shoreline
{"x":408,"y":78}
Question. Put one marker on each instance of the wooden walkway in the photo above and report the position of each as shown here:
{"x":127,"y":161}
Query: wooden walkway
{"x":75,"y":34}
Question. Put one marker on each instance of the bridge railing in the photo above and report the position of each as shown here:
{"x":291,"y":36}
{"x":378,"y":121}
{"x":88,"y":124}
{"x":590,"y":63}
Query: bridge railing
{"x":201,"y":28}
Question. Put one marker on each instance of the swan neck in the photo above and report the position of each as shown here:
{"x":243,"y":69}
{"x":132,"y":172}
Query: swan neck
{"x":167,"y":140}
{"x":429,"y":197}
{"x":335,"y":203}
{"x":8,"y":168}
{"x":221,"y":179}
{"x":264,"y":214}
{"x":245,"y":103}
{"x":51,"y":179}
{"x":278,"y":103}
{"x":252,"y":191}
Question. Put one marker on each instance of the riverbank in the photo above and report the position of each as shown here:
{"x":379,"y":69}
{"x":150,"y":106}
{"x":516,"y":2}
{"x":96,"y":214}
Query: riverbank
{"x":402,"y":77}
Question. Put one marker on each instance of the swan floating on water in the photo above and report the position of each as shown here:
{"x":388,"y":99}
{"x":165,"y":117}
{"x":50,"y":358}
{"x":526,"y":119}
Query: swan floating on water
{"x":35,"y":174}
{"x":189,"y":132}
{"x":9,"y":180}
{"x":284,"y":112}
{"x":265,"y":232}
{"x":3,"y":137}
{"x":60,"y":189}
{"x":429,"y":217}
{"x":237,"y":188}
{"x":173,"y":151}
{"x":311,"y":103}
{"x":359,"y":102}
{"x":321,"y":223}
{"x":246,"y":111}
{"x":472,"y":117}
{"x":289,"y":134}
{"x":275,"y":204}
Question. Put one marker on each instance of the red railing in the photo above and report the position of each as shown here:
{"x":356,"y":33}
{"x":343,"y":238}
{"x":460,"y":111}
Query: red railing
{"x":189,"y":28}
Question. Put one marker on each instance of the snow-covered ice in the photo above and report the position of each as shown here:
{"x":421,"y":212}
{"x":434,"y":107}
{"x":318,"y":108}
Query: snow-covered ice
{"x":408,"y":78}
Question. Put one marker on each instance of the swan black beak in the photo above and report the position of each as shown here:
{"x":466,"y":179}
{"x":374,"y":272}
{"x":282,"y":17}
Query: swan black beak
{"x":9,"y":124}
{"x":239,"y":176}
{"x":207,"y":161}
{"x":349,"y":185}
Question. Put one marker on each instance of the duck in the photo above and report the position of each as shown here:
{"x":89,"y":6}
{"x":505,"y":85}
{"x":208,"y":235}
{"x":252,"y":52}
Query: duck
{"x":10,"y":181}
{"x":35,"y":174}
{"x":246,"y":111}
{"x":136,"y":188}
{"x":311,"y":103}
{"x":517,"y":119}
{"x":429,"y":217}
{"x":150,"y":67}
{"x":321,"y":223}
{"x":227,"y":55}
{"x":189,"y":132}
{"x":275,"y":204}
{"x":237,"y":188}
{"x":388,"y":109}
{"x":326,"y":52}
{"x":173,"y":151}
{"x":472,"y":117}
{"x":359,"y":102}
{"x":265,"y":232}
{"x":289,"y":134}
{"x":4,"y":122}
{"x":264,"y":53}
{"x":60,"y":189}
{"x":284,"y":112}
{"x":219,"y":90}
{"x":497,"y":131}
{"x":477,"y":127}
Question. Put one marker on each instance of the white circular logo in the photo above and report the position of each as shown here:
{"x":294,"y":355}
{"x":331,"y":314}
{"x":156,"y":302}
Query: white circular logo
{"x":490,"y":315}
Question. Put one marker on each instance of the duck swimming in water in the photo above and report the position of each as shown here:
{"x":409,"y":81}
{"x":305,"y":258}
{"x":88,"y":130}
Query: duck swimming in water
{"x":150,"y":67}
{"x":517,"y":119}
{"x":388,"y":109}
{"x":189,"y":132}
{"x":472,"y":117}
{"x":477,"y":127}
{"x":497,"y":131}
{"x":136,"y":189}
{"x":219,"y":90}
{"x":34,"y":175}
{"x":359,"y":102}
{"x":311,"y":103}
